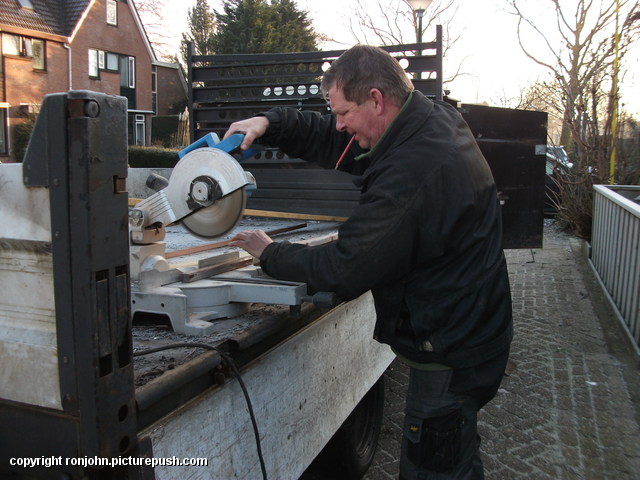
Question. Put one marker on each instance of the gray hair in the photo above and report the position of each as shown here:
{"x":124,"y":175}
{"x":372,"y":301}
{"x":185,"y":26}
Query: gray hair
{"x":362,"y":68}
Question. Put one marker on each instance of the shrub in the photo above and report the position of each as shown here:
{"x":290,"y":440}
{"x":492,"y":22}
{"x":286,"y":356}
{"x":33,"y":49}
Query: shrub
{"x":22,"y":133}
{"x":152,"y":157}
{"x":163,"y":130}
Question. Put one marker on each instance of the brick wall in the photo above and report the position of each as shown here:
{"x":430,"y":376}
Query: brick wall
{"x":123,"y":39}
{"x":24,"y":85}
{"x":171,"y":91}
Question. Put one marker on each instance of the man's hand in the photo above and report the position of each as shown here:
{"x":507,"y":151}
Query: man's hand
{"x":253,"y":241}
{"x":251,"y":127}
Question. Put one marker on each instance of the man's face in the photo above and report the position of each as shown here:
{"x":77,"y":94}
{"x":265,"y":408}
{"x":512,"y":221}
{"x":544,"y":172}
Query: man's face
{"x":358,"y":120}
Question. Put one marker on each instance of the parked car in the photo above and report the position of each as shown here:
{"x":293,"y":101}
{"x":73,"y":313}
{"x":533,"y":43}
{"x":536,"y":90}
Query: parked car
{"x":557,"y":165}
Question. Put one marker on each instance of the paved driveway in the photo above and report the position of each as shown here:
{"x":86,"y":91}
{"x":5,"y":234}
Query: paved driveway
{"x":567,"y":409}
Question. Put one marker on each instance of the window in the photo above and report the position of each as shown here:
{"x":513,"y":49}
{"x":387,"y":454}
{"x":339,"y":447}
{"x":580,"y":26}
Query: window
{"x":112,"y":12}
{"x":113,"y":64}
{"x":101,"y":59}
{"x":132,"y":73}
{"x":94,"y":71}
{"x":20,"y":46}
{"x":127,"y":71}
{"x":3,"y":131}
{"x":38,"y":54}
{"x":154,"y":89}
{"x":140,"y":130}
{"x":11,"y":44}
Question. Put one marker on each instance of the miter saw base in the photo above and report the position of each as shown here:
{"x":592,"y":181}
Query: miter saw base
{"x":191,"y":307}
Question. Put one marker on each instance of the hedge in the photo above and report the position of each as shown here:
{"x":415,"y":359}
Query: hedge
{"x":163,"y":129}
{"x":152,"y":157}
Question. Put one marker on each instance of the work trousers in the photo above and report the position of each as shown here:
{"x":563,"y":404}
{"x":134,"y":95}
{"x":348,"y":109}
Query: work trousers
{"x":440,"y":439}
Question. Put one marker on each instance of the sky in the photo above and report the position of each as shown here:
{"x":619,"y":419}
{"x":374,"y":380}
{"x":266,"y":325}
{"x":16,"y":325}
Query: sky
{"x":496,"y":70}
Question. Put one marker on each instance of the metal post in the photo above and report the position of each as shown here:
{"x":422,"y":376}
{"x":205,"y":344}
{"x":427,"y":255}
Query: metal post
{"x":420,"y":14}
{"x":419,"y":8}
{"x":192,"y":122}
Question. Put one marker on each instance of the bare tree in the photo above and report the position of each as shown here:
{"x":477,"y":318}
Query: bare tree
{"x":579,"y":53}
{"x":152,"y":15}
{"x":544,"y":97}
{"x":392,"y":22}
{"x":583,"y":49}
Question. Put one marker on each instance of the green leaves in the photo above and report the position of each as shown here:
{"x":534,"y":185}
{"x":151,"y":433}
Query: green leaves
{"x":261,"y":26}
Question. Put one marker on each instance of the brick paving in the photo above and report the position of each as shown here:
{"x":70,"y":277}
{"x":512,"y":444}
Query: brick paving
{"x":567,"y":409}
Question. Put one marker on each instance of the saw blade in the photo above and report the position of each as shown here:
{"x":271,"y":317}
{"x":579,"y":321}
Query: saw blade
{"x":218,"y":218}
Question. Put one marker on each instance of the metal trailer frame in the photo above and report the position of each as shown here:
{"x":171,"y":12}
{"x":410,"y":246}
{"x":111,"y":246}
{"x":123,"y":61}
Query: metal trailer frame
{"x":78,"y":152}
{"x":327,"y":366}
{"x":78,"y":338}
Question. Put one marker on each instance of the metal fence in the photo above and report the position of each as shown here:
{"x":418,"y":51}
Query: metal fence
{"x":228,"y":87}
{"x":614,"y":252}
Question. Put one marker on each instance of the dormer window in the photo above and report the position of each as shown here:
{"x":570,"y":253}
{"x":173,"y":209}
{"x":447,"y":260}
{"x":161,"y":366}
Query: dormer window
{"x":112,"y":12}
{"x":26,"y":4}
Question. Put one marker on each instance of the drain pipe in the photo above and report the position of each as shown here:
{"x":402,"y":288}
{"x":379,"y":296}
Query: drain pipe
{"x":68,"y":47}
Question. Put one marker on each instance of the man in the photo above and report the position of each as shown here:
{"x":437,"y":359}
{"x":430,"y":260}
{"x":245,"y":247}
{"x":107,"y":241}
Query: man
{"x":425,"y":239}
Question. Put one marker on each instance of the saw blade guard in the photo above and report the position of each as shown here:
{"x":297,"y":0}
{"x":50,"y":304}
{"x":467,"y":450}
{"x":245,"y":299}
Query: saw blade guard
{"x":203,"y":177}
{"x":207,"y":191}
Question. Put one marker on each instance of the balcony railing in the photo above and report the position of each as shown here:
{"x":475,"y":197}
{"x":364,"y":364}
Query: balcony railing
{"x":614,"y":252}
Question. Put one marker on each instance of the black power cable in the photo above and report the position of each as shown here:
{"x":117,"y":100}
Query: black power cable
{"x":231,"y":364}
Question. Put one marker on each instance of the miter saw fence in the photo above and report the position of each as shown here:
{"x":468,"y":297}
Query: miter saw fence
{"x":207,"y":193}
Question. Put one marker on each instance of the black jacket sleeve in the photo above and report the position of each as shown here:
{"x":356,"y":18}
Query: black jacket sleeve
{"x":375,"y":246}
{"x":308,"y":135}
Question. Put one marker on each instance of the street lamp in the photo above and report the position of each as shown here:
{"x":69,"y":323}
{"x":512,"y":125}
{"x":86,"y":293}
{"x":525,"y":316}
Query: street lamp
{"x":419,"y":7}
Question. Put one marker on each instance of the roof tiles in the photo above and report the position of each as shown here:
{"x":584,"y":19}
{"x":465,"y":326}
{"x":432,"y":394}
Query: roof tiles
{"x":57,"y":17}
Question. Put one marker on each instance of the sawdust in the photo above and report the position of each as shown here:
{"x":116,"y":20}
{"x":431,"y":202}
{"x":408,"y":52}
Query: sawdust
{"x":151,"y":366}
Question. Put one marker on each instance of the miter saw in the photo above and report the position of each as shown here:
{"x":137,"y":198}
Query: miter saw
{"x":207,"y":193}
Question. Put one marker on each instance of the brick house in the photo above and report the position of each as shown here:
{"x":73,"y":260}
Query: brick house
{"x":58,"y":45}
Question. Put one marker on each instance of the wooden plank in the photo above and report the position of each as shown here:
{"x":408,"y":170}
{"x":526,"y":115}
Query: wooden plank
{"x":225,"y":243}
{"x":300,"y":207}
{"x":218,"y":259}
{"x":295,"y":216}
{"x":207,"y":272}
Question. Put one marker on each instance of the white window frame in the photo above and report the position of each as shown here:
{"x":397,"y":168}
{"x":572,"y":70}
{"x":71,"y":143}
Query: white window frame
{"x":94,"y":69}
{"x":154,"y":89}
{"x":11,"y":44}
{"x":139,"y":121}
{"x":27,"y":47}
{"x":112,"y":12}
{"x":132,"y":72}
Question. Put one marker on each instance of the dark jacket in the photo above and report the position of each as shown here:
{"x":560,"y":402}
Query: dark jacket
{"x":426,"y":238}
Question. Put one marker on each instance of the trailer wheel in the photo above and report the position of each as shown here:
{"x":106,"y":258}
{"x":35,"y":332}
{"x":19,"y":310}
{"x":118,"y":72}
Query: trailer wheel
{"x":350,"y":452}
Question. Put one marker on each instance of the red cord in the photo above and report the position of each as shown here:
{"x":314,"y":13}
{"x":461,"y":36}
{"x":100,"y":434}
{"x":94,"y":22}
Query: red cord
{"x":345,"y":152}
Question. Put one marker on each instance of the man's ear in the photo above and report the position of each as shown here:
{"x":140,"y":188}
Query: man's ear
{"x":378,"y":100}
